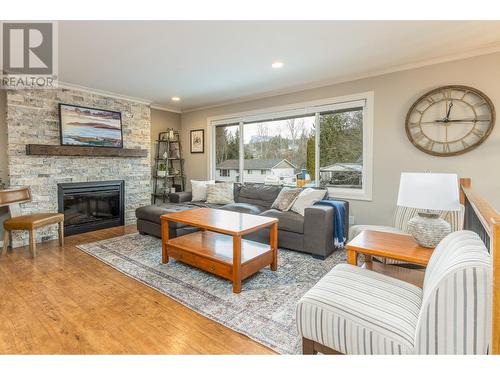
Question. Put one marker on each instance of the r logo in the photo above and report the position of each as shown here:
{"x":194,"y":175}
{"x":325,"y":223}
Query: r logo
{"x":27,"y":48}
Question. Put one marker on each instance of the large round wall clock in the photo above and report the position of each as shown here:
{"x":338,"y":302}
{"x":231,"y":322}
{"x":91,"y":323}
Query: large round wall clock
{"x":450,"y":120}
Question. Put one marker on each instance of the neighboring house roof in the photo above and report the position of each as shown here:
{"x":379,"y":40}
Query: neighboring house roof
{"x":342,"y":167}
{"x":255,"y":164}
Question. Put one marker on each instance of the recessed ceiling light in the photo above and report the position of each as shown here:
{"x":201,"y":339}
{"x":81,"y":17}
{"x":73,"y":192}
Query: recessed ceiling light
{"x":175,"y":98}
{"x":277,"y":64}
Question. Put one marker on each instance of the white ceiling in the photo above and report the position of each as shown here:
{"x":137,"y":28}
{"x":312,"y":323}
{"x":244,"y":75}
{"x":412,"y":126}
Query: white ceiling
{"x":212,"y":62}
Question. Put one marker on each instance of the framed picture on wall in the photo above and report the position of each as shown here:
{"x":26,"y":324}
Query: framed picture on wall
{"x":197,"y":141}
{"x":83,"y":126}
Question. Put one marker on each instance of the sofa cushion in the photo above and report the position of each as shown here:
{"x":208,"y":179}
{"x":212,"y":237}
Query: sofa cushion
{"x":288,"y":220}
{"x":258,"y":195}
{"x":244,"y":208}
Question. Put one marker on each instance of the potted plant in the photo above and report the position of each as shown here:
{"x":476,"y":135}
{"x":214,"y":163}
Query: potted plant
{"x":162,"y":170}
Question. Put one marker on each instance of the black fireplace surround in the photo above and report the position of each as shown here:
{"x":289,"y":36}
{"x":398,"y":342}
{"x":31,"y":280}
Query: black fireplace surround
{"x":89,"y":206}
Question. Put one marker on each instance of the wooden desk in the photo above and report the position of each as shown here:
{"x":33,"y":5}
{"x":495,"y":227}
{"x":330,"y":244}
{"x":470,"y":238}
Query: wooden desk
{"x":219,"y":248}
{"x":401,"y":247}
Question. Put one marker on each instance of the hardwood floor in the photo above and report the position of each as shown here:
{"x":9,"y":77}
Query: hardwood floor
{"x":67,"y":302}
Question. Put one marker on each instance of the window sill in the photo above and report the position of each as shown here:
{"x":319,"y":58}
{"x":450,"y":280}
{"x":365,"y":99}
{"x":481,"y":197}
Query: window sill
{"x":351,"y":194}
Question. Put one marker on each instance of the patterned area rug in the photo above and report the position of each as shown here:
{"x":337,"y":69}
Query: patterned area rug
{"x":263,"y":311}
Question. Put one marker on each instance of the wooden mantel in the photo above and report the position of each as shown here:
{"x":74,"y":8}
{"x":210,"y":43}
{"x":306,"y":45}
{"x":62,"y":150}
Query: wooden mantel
{"x":57,"y":150}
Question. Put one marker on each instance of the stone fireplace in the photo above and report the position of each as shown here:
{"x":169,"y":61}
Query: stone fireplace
{"x":33,"y":118}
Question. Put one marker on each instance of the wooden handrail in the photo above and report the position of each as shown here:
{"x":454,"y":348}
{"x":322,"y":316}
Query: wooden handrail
{"x":486,"y":213}
{"x":490,"y":220}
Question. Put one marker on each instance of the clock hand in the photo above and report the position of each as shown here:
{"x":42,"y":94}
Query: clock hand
{"x":449,"y":110}
{"x":446,"y":121}
{"x":467,"y":120}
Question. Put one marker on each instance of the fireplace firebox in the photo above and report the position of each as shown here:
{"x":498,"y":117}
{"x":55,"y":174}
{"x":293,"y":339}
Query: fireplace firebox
{"x":89,"y":206}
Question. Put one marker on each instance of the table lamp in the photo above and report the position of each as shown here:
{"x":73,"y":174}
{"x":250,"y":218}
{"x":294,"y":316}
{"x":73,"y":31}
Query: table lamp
{"x":429,"y":192}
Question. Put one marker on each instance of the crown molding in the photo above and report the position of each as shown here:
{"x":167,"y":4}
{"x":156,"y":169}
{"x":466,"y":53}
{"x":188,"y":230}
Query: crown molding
{"x":110,"y":94}
{"x":162,"y":107}
{"x":485,"y":50}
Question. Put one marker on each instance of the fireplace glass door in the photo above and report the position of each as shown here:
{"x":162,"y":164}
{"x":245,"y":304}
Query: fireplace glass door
{"x":89,"y":207}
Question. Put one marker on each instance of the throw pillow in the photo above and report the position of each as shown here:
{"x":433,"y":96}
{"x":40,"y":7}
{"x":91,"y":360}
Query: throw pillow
{"x":306,"y":198}
{"x":222,"y":193}
{"x":199,"y":190}
{"x":285,"y":198}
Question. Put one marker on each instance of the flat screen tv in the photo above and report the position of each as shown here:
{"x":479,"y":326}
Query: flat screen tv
{"x":83,"y":126}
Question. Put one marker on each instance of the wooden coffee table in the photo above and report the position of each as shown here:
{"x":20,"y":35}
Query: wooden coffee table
{"x":219,"y":248}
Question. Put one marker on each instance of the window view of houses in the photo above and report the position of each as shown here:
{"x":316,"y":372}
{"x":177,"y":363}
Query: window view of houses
{"x":283,"y":151}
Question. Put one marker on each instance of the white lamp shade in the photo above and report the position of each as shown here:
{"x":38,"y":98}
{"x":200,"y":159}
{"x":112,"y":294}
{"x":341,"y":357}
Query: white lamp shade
{"x":430,"y":191}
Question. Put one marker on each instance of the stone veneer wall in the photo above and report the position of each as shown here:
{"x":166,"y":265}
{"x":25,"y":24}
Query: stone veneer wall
{"x":33,"y":117}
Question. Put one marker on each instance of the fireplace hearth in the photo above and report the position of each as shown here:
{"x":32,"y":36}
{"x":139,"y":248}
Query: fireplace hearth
{"x":89,"y":206}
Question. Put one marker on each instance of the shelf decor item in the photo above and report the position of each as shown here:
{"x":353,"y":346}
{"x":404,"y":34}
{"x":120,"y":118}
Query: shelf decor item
{"x":162,"y":170}
{"x":83,"y":126}
{"x":197,"y":141}
{"x":429,"y":192}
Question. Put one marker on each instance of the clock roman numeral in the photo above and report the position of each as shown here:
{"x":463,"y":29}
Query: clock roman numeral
{"x":478,"y":133}
{"x":447,"y":94}
{"x":430,"y":144}
{"x":446,"y":147}
{"x":418,"y":136}
{"x":414,"y":125}
{"x":464,"y":144}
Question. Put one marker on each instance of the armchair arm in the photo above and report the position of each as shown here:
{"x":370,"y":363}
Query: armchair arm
{"x":318,"y":230}
{"x":319,"y":226}
{"x":180,"y":197}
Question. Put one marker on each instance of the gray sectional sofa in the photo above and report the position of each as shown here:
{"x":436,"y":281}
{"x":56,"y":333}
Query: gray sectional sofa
{"x":311,"y":233}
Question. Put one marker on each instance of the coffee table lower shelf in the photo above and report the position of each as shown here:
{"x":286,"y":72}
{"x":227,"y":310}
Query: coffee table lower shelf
{"x":214,"y":252}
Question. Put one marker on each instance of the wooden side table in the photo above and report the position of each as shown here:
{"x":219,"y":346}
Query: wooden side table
{"x":400,"y":247}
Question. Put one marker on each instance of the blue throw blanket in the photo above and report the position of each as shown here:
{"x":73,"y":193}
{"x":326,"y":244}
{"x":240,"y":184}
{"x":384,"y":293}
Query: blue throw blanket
{"x":339,"y":219}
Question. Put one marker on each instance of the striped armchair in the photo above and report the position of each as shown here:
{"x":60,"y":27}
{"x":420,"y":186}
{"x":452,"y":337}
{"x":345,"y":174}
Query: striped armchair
{"x":356,"y":311}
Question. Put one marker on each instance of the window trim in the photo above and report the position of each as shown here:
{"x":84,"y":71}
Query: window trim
{"x":304,"y":109}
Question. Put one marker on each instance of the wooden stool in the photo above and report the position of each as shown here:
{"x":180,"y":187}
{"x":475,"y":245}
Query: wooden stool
{"x":27,"y":222}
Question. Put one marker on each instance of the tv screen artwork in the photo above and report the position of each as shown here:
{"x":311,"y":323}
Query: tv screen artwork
{"x":82,"y":126}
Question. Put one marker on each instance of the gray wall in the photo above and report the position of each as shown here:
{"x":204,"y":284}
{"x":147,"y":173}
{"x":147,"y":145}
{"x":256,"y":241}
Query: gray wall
{"x":393,"y":153}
